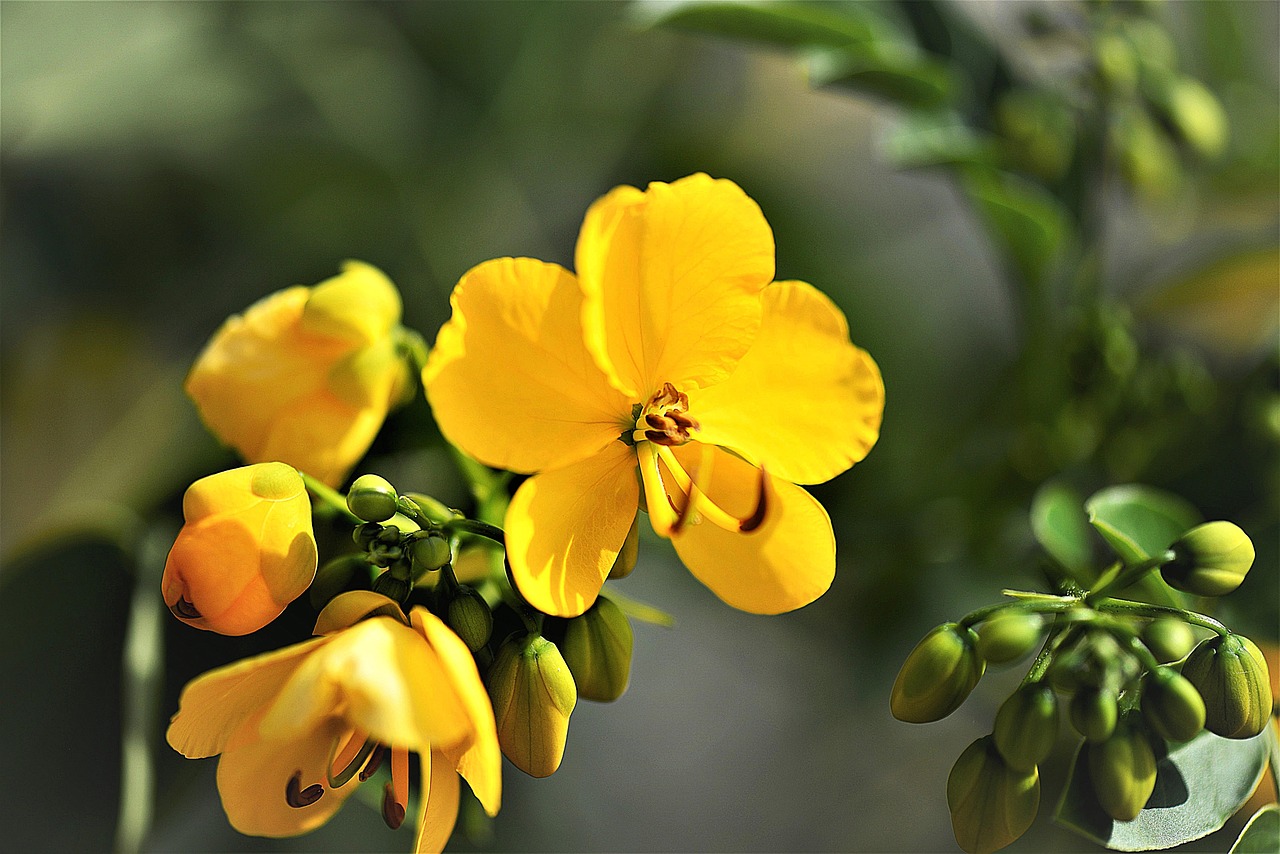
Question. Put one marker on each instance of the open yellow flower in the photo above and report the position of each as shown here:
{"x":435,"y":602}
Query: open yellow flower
{"x":245,"y":552}
{"x":306,"y":375}
{"x":300,"y":728}
{"x":672,"y":352}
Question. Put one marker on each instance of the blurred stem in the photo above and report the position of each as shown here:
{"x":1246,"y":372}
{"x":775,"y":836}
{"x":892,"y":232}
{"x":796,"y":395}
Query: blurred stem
{"x":329,"y":497}
{"x":1129,"y":576}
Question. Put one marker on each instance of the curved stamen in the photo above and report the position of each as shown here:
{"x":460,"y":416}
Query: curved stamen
{"x":662,"y":513}
{"x":298,"y":797}
{"x":395,"y":797}
{"x":701,"y":502}
{"x":374,"y":763}
{"x":354,"y":753}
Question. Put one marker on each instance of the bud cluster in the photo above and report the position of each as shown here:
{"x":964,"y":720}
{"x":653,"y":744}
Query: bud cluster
{"x":1129,"y":676}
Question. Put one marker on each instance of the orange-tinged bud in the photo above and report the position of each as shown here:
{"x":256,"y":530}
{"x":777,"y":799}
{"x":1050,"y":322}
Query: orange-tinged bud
{"x":246,"y":551}
{"x":306,"y":375}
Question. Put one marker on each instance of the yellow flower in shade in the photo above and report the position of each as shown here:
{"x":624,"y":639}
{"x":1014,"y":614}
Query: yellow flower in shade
{"x":306,"y":375}
{"x":300,"y":728}
{"x":672,"y":352}
{"x":245,"y":551}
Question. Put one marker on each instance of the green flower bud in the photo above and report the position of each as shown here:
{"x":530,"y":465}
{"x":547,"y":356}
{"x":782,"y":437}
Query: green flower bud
{"x":1026,"y":726}
{"x":470,"y":618}
{"x":1169,"y":639}
{"x":1210,"y":559}
{"x":991,"y":803}
{"x":533,"y":695}
{"x":1123,"y":771}
{"x":1008,"y":636}
{"x":429,"y":553}
{"x":392,"y":586}
{"x":1231,"y":675}
{"x":597,"y":648}
{"x":1171,"y":705}
{"x":626,"y":559}
{"x":937,"y":676}
{"x":1195,"y":114}
{"x":367,"y":534}
{"x":1094,"y":711}
{"x":372,"y":499}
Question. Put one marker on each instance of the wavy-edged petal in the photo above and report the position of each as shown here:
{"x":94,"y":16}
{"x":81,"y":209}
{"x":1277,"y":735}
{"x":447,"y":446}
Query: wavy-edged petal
{"x":566,"y":526}
{"x":804,"y":401}
{"x":509,"y":379}
{"x":786,"y":563}
{"x":437,"y":805}
{"x":671,"y":280}
{"x":479,"y":759}
{"x":215,"y":704}
{"x":254,"y":775}
{"x":383,"y":678}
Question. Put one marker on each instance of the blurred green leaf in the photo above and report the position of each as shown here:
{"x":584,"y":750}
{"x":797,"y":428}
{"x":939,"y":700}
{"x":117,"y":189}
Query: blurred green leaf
{"x":781,"y":24}
{"x":1060,"y":525}
{"x":928,"y":138}
{"x":1199,"y":785}
{"x":1262,"y":834}
{"x":892,"y":74}
{"x":1027,"y":221}
{"x":1138,"y":521}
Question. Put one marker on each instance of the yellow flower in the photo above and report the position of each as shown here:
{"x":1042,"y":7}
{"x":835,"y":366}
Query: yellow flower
{"x":306,"y":375}
{"x":300,"y":728}
{"x":672,"y":352}
{"x":245,"y":551}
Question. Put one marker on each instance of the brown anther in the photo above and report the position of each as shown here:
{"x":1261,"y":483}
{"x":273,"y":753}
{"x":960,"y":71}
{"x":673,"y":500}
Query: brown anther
{"x":664,"y":438}
{"x":375,"y":762}
{"x":184,"y":609}
{"x":657,"y":422}
{"x":298,"y":797}
{"x":392,"y":810}
{"x":682,"y":421}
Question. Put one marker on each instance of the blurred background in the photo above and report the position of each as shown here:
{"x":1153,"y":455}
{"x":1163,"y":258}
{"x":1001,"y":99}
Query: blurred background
{"x":1064,"y":264}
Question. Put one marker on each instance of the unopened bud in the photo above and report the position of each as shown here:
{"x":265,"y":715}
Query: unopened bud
{"x":991,"y":803}
{"x":470,"y":618}
{"x":626,"y":559}
{"x":1171,"y":705}
{"x":1008,"y":636}
{"x":597,"y":648}
{"x":1026,"y":726}
{"x":1210,"y":559}
{"x":1094,"y":711}
{"x":937,"y":676}
{"x":429,"y":553}
{"x":393,"y":586}
{"x":1231,"y":675}
{"x":367,"y":534}
{"x":1123,"y":771}
{"x":1169,"y":639}
{"x":533,"y":695}
{"x":372,"y":498}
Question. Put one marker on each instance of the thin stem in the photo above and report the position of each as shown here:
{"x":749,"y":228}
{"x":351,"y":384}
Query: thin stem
{"x":1046,"y":605}
{"x":1129,"y":575}
{"x":330,"y":496}
{"x":1143,"y":609}
{"x":1041,"y":665}
{"x":474,"y":526}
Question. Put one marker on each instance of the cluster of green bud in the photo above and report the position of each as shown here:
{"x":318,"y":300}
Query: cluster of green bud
{"x":1231,"y":675}
{"x":533,"y":694}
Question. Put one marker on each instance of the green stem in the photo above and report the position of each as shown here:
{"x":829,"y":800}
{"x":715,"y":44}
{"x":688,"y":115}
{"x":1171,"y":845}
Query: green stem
{"x":1129,"y":575}
{"x":474,"y":526}
{"x":1039,"y":605}
{"x":1040,"y":666}
{"x":330,"y":496}
{"x":1143,"y":609}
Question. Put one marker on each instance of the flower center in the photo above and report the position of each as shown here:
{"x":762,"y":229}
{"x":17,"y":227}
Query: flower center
{"x":664,"y":420}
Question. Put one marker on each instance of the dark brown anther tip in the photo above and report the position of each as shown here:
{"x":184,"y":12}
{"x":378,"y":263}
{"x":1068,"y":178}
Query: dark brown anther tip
{"x":392,"y":811}
{"x":184,"y":609}
{"x":297,"y":797}
{"x":375,"y":762}
{"x":656,"y":421}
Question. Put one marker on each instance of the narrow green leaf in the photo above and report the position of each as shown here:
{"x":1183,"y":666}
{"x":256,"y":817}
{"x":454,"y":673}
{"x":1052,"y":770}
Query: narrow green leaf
{"x":1060,"y":526}
{"x":1139,"y":521}
{"x":1262,"y":834}
{"x":1199,"y":785}
{"x":784,"y":25}
{"x":883,"y":70}
{"x":933,"y":138}
{"x":1029,"y":223}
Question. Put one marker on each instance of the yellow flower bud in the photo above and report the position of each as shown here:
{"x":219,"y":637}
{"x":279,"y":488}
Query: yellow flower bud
{"x":937,"y":676}
{"x":1171,"y":705}
{"x":1210,"y":559}
{"x":1123,"y":771}
{"x":306,"y":375}
{"x":597,"y":648}
{"x":533,"y":695}
{"x":991,"y":803}
{"x":1231,"y":675}
{"x":246,"y":550}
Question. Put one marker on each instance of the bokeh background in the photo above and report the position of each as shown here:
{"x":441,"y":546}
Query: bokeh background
{"x":166,"y":164}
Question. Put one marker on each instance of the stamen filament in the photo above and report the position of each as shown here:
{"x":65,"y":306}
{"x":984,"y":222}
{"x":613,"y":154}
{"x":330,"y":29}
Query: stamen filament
{"x":395,"y":797}
{"x":354,"y":753}
{"x":662,"y":514}
{"x":699,"y":500}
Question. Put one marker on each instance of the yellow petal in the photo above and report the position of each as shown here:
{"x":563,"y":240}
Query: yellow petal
{"x":479,"y":758}
{"x":382,"y":678}
{"x":214,"y":705}
{"x":509,"y":379}
{"x":671,"y":280}
{"x":804,"y":401}
{"x":565,"y":528}
{"x":254,"y":775}
{"x":784,"y":564}
{"x":347,"y":609}
{"x":437,"y":805}
{"x":359,"y":304}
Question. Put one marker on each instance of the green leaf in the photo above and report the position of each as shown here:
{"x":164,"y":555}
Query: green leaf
{"x":883,"y":69}
{"x":1026,"y":220}
{"x":1059,"y":524}
{"x":925,"y":139}
{"x":1262,"y":834}
{"x":1139,"y":522}
{"x":1199,"y":785}
{"x":784,"y":25}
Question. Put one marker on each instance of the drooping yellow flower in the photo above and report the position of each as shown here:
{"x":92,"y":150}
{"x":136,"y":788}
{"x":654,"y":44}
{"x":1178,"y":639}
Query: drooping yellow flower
{"x":300,"y":728}
{"x":306,"y":375}
{"x":672,"y":352}
{"x":245,"y":552}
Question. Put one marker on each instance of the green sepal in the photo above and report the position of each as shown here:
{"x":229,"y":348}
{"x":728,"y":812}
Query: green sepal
{"x":1231,"y":675}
